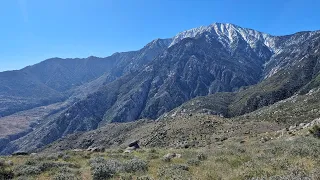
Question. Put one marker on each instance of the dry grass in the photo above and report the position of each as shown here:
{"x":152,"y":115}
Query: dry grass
{"x":285,"y":157}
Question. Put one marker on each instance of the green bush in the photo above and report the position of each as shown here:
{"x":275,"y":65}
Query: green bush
{"x":166,"y":159}
{"x":151,"y":156}
{"x":23,"y":170}
{"x":65,"y":176}
{"x":97,"y":160}
{"x":31,"y":162}
{"x":194,"y":162}
{"x":101,"y":171}
{"x":144,"y":178}
{"x":201,"y":156}
{"x":179,"y":171}
{"x":66,"y":157}
{"x":126,"y":177}
{"x":136,"y":165}
{"x":5,"y":172}
{"x":153,"y":151}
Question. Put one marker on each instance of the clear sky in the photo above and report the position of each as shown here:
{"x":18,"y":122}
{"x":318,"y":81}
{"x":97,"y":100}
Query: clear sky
{"x":34,"y":30}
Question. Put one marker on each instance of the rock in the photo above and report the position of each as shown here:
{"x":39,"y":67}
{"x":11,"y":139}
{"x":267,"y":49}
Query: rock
{"x":243,"y":141}
{"x":170,"y":156}
{"x":306,"y":126}
{"x":96,"y":149}
{"x":130,"y":149}
{"x":178,"y":156}
{"x":291,"y":128}
{"x":134,"y":144}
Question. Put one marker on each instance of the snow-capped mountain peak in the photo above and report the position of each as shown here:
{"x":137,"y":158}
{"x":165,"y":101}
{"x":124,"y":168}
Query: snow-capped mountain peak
{"x":227,"y":33}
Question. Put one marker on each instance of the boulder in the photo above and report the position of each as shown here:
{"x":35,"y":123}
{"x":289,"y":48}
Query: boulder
{"x":170,"y":156}
{"x":96,"y":149}
{"x":291,"y":128}
{"x":129,"y":149}
{"x":134,"y":144}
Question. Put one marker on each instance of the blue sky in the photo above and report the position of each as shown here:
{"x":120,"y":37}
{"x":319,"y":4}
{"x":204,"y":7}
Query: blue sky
{"x":34,"y":30}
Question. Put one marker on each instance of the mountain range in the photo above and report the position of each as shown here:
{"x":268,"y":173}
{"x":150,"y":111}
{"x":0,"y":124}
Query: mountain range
{"x":220,"y":69}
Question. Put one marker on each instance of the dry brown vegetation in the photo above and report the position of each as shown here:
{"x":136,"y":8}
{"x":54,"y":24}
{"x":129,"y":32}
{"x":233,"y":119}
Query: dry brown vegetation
{"x":285,"y":157}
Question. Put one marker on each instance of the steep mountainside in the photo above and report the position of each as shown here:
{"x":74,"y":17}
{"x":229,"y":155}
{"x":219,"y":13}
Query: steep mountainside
{"x":124,"y":63}
{"x":47,"y":82}
{"x":296,"y":72}
{"x":56,"y":79}
{"x":247,"y":68}
{"x":193,"y":125}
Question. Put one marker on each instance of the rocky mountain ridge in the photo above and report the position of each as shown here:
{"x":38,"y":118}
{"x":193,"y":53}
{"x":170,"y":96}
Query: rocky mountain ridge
{"x":255,"y":69}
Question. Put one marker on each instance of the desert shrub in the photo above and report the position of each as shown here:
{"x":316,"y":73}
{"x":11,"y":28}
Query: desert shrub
{"x":315,"y":131}
{"x":5,"y":172}
{"x":114,"y":165}
{"x":31,"y":162}
{"x":144,"y":178}
{"x":194,"y":162}
{"x":136,"y":165}
{"x":27,"y":170}
{"x":45,"y":166}
{"x":61,"y":154}
{"x":53,"y":157}
{"x":2,"y":162}
{"x":23,"y":178}
{"x":153,"y":150}
{"x":295,"y":173}
{"x":126,"y":177}
{"x":180,"y":166}
{"x":174,"y":172}
{"x":66,"y":157}
{"x":44,"y":157}
{"x":97,"y":160}
{"x":166,"y":159}
{"x":34,"y":168}
{"x":65,"y":169}
{"x":201,"y":156}
{"x":101,"y":171}
{"x":121,"y":156}
{"x":104,"y":169}
{"x":65,"y":176}
{"x":141,"y":150}
{"x":86,"y":155}
{"x":151,"y":156}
